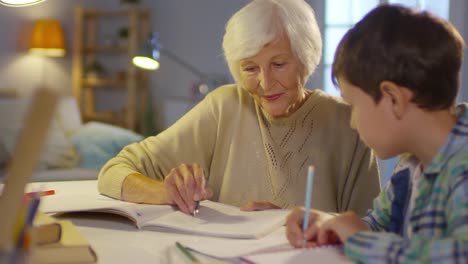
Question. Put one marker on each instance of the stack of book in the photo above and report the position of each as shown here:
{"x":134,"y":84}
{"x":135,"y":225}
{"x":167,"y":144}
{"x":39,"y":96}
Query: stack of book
{"x":59,"y":241}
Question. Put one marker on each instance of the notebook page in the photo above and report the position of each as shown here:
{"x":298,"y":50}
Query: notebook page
{"x":228,"y":248}
{"x":221,"y":220}
{"x":89,"y":201}
{"x":325,"y":254}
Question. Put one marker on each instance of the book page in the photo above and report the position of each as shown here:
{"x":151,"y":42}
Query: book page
{"x":221,"y":220}
{"x":88,"y":202}
{"x":231,"y":248}
{"x":324,"y":254}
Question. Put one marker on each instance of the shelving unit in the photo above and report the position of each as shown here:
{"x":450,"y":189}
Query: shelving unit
{"x":96,"y":42}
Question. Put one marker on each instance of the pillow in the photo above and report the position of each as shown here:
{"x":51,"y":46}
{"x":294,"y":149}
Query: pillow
{"x":69,"y":115}
{"x":98,"y":142}
{"x":58,"y":151}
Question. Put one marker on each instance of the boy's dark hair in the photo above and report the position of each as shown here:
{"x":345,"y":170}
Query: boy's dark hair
{"x":412,"y":49}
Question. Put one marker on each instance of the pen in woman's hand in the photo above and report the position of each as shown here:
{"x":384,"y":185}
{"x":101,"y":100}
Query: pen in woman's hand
{"x":200,"y":180}
{"x":196,"y":210}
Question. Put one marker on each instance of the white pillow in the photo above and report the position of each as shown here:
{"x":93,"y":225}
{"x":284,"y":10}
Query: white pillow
{"x":68,"y":115}
{"x":58,"y":151}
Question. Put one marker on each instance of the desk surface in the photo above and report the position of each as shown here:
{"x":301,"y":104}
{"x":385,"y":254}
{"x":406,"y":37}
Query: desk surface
{"x":116,"y":239}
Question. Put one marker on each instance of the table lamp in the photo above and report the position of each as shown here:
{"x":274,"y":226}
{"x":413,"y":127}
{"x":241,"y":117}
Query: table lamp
{"x":19,"y":2}
{"x":47,"y":38}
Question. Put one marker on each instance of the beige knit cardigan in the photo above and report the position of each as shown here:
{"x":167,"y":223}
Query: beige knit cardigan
{"x":248,"y":155}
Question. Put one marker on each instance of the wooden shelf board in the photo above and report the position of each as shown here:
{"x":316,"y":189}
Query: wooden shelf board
{"x":111,"y":83}
{"x":113,"y":13}
{"x":108,"y":117}
{"x":105,"y":49}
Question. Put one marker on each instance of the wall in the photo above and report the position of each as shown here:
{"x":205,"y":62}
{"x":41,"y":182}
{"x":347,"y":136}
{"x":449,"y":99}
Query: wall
{"x":194,"y":31}
{"x":458,"y":16}
{"x":24,"y":72}
{"x":191,"y":29}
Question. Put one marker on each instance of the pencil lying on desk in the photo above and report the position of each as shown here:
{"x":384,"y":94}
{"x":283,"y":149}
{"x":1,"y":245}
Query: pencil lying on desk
{"x":187,"y":253}
{"x":39,"y":193}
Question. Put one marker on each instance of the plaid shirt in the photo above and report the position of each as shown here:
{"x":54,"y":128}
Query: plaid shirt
{"x":439,"y":219}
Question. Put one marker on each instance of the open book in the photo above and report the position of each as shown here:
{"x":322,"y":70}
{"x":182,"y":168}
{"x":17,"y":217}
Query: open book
{"x":214,"y":219}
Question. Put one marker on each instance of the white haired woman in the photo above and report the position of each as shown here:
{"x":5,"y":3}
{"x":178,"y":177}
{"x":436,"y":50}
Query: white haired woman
{"x":249,"y":144}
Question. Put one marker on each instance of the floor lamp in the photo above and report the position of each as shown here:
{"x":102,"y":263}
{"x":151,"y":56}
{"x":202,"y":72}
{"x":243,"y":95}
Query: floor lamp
{"x":148,"y":57}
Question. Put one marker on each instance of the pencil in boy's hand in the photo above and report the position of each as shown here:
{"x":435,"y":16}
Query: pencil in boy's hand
{"x":308,"y":198}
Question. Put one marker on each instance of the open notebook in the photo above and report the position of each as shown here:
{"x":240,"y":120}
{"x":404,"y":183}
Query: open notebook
{"x":324,"y":254}
{"x":27,"y":151}
{"x":273,"y":248}
{"x":215,"y":219}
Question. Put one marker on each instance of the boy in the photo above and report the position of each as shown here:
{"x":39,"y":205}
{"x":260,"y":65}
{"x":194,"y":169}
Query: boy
{"x":399,"y":71}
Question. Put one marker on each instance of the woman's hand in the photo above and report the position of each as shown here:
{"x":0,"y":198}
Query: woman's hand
{"x":294,"y":231}
{"x":258,"y":205}
{"x":184,"y":185}
{"x":341,"y":227}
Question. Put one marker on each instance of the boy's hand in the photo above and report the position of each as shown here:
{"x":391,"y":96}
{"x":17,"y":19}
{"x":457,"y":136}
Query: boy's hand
{"x":340,"y":227}
{"x":294,"y":231}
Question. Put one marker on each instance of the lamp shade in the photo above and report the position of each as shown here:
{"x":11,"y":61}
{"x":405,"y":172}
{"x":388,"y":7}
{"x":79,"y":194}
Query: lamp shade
{"x":148,"y":54}
{"x":19,"y":2}
{"x":47,"y":38}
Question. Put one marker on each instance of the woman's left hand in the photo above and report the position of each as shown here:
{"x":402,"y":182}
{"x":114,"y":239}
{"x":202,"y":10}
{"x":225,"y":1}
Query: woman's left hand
{"x":258,"y":205}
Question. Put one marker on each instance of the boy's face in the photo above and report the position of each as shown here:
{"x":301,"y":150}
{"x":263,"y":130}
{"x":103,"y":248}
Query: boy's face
{"x":373,"y":121}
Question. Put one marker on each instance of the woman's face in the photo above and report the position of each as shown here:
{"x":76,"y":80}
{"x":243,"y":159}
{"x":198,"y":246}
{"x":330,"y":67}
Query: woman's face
{"x":274,"y":78}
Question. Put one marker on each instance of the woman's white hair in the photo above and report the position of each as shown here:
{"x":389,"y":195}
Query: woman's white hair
{"x":261,"y":21}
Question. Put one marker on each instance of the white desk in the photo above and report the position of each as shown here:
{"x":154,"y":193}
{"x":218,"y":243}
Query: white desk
{"x":116,"y":239}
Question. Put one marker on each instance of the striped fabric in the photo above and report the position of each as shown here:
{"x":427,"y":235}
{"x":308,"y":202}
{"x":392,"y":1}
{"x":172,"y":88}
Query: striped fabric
{"x":439,"y":219}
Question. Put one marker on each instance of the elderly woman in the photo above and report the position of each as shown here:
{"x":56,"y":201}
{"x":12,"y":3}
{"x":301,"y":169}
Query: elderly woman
{"x":249,"y":144}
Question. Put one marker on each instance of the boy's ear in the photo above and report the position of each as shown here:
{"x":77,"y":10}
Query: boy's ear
{"x":398,"y":97}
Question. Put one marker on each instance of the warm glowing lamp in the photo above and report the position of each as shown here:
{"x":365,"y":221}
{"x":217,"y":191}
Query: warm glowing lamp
{"x":148,"y":55}
{"x":19,"y":2}
{"x":47,"y":38}
{"x":148,"y":58}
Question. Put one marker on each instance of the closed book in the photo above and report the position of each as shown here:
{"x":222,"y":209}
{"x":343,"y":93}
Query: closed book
{"x":71,"y":248}
{"x":46,"y":229}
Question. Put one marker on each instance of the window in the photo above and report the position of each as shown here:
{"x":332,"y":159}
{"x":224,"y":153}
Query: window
{"x":340,"y":15}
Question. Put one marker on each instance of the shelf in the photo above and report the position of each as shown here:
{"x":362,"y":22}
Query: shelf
{"x":115,"y":13}
{"x":91,"y":86}
{"x":111,"y":83}
{"x":105,"y":49}
{"x":107,"y":117}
